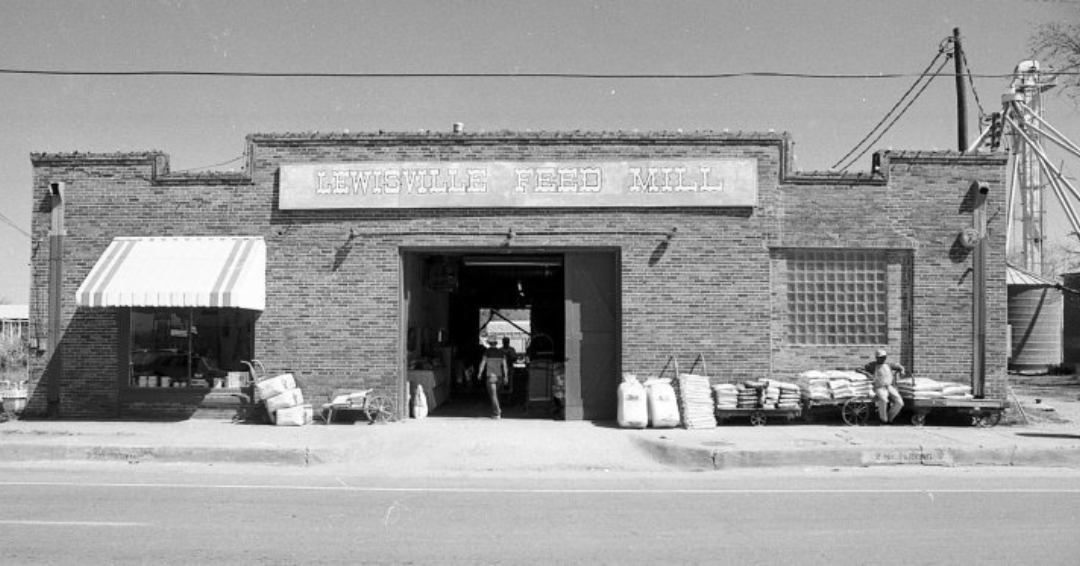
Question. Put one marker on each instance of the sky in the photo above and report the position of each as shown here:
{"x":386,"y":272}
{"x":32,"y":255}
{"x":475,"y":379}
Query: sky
{"x":201,"y":122}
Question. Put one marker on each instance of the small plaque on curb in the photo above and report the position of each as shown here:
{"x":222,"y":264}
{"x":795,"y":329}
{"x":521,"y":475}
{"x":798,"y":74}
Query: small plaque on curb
{"x":935,"y":457}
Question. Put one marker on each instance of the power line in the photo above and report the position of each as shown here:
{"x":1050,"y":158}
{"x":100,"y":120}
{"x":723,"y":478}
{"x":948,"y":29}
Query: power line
{"x":8,"y":221}
{"x":975,"y":93}
{"x":233,"y":160}
{"x":923,"y":75}
{"x":897,"y":118}
{"x":632,"y":76}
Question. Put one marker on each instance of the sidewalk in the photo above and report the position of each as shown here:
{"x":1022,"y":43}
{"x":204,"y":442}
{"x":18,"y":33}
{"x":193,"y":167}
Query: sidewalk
{"x":449,"y":445}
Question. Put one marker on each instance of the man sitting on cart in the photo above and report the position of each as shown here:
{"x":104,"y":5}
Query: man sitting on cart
{"x":883,"y":375}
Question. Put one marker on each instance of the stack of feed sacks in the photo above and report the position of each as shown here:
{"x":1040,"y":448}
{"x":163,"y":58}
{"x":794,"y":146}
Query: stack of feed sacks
{"x":790,"y":395}
{"x":815,"y":385}
{"x":861,"y":386}
{"x":772,"y":394}
{"x":751,"y":394}
{"x":727,"y":396}
{"x":951,"y":390}
{"x":840,"y":384}
{"x":921,"y":388}
{"x":284,"y":401}
{"x":695,"y":400}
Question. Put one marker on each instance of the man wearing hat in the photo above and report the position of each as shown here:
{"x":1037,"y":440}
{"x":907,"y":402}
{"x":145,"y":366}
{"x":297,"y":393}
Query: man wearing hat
{"x":883,"y":375}
{"x":493,"y":371}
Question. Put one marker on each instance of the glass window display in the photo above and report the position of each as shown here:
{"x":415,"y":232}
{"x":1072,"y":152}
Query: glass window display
{"x":196,"y":347}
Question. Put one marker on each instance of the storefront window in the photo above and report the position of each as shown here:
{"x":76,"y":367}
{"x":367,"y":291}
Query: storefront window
{"x":837,"y":297}
{"x":189,"y":347}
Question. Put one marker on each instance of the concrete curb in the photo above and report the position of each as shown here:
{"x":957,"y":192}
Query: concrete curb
{"x":160,"y":454}
{"x":705,"y":458}
{"x":676,"y":453}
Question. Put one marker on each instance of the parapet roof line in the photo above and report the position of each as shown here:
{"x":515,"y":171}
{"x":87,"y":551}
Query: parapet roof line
{"x":877,"y":176}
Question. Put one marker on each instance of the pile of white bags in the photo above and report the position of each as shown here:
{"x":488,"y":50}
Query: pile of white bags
{"x":751,"y":394}
{"x":772,"y":395}
{"x":861,"y":385}
{"x":921,"y":388}
{"x":695,"y":401}
{"x":814,"y":385}
{"x":790,"y":396}
{"x":840,"y":388}
{"x":284,"y":400}
{"x":662,"y":406}
{"x":952,"y":390}
{"x":727,"y":396}
{"x":834,"y":385}
{"x":633,"y":407}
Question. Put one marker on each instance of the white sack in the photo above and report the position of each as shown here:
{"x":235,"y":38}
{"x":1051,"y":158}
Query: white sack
{"x":299,"y":415}
{"x":290,"y":398}
{"x":274,"y":386}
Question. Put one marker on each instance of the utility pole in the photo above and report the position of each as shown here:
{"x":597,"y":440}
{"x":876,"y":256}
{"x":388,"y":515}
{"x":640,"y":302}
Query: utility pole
{"x":961,"y":96}
{"x":978,"y":256}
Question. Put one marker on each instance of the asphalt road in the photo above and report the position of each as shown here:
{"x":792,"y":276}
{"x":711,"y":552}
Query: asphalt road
{"x":109,"y":514}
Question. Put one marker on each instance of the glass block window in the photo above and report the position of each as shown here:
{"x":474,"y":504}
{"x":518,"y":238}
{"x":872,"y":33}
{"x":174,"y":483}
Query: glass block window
{"x":836,"y":297}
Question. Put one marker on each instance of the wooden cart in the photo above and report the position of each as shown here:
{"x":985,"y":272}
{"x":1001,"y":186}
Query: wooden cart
{"x":983,"y":412}
{"x":854,"y":410}
{"x":758,"y":416}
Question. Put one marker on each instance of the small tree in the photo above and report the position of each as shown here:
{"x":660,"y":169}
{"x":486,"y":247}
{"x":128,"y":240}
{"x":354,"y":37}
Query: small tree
{"x":13,"y":353}
{"x":1058,"y":44}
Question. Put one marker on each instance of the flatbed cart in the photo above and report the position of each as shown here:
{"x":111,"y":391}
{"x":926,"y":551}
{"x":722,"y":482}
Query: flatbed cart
{"x":983,"y":412}
{"x":854,"y":410}
{"x":760,"y":414}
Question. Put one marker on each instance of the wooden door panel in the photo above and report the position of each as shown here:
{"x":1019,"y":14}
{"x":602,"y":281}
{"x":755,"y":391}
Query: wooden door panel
{"x":593,"y":306}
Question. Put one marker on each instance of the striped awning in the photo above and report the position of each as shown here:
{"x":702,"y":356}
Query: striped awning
{"x":178,"y":272}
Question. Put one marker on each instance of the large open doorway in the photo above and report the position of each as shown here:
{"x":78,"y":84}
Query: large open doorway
{"x":557,"y":312}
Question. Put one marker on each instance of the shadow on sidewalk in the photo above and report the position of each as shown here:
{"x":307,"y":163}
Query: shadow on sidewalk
{"x":1048,"y":435}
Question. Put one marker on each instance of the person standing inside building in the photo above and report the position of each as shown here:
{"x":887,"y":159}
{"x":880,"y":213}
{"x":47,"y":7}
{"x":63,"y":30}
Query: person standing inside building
{"x":883,"y":375}
{"x":511,"y":356}
{"x":493,"y":371}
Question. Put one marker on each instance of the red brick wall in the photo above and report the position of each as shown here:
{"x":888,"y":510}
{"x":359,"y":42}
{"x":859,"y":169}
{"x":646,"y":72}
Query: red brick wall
{"x":333,"y":303}
{"x":916,"y":211}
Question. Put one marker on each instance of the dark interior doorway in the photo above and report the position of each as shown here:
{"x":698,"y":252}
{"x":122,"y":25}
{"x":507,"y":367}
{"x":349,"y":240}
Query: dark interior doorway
{"x":456,"y":300}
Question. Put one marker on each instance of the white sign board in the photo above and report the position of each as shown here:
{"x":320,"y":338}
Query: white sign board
{"x":495,"y":184}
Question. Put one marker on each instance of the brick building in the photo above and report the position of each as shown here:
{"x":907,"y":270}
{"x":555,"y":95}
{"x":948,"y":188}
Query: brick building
{"x":361,"y":260}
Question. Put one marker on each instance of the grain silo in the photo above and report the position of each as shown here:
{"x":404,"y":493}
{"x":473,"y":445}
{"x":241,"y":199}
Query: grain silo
{"x":1070,"y":334}
{"x":1036,"y":309}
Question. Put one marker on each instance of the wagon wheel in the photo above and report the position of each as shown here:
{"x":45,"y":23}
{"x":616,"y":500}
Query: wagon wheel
{"x":757,"y":418}
{"x":380,"y":409}
{"x":985,"y":420}
{"x":918,"y":419}
{"x":855,"y":412}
